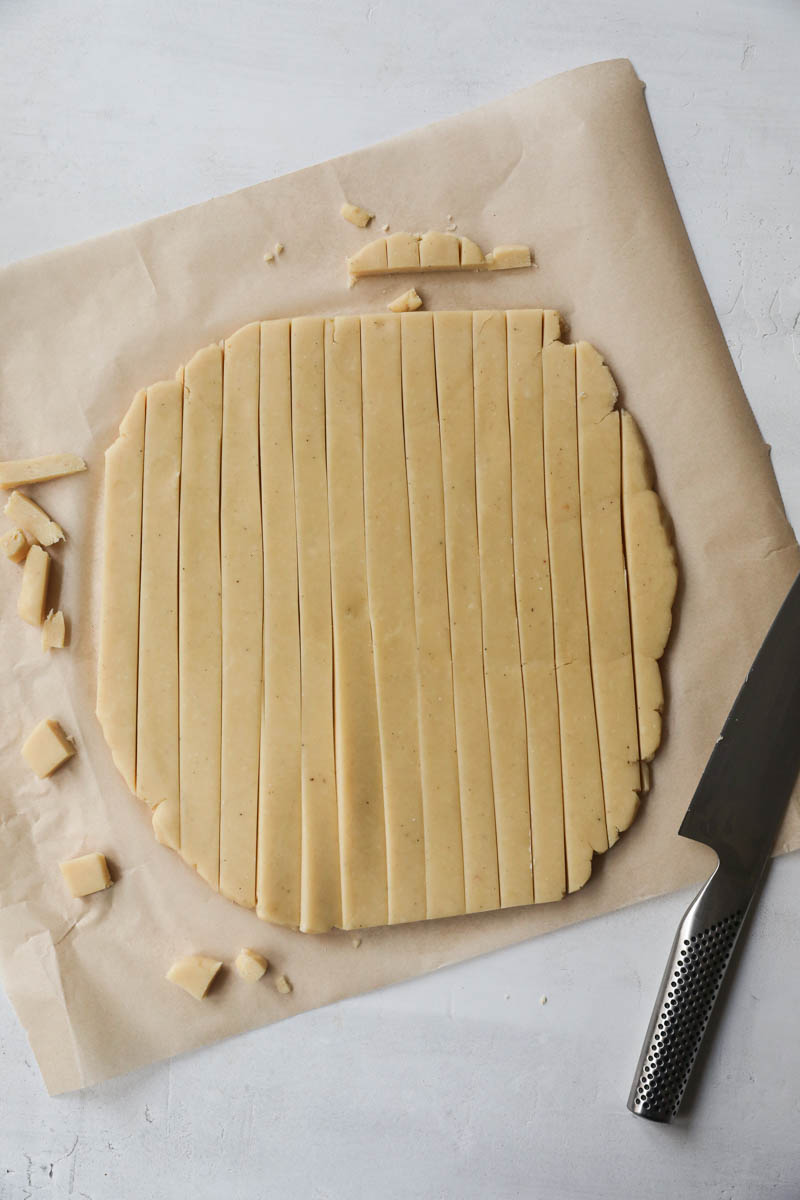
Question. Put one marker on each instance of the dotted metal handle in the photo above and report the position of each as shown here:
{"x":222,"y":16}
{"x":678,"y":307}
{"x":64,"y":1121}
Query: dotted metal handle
{"x":700,"y":956}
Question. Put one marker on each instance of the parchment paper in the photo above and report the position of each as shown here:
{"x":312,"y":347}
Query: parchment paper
{"x":570,"y":166}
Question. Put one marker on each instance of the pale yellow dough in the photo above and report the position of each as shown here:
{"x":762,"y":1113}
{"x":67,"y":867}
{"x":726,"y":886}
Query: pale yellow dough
{"x":32,"y":601}
{"x":432,"y":251}
{"x":157,"y":736}
{"x":502,"y":664}
{"x":279,"y":817}
{"x":53,"y":631}
{"x":194,"y":974}
{"x":357,"y":216}
{"x":47,"y":748}
{"x":359,"y":782}
{"x":384,"y":599}
{"x":86,"y":875}
{"x":599,"y":454}
{"x":199,"y":609}
{"x":242,"y":616}
{"x":652,"y":581}
{"x":14,"y":545}
{"x":409,"y":301}
{"x":444,"y":858}
{"x":320,"y":882}
{"x":33,"y":520}
{"x":526,"y":333}
{"x":453,"y":346}
{"x":39,"y":470}
{"x":118,"y":659}
{"x":391,"y":606}
{"x":584,"y":812}
{"x":250,"y":965}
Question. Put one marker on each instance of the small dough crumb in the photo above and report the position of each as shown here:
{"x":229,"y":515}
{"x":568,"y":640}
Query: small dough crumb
{"x":250,"y":964}
{"x":385,"y":228}
{"x":356,"y":942}
{"x":355,"y":215}
{"x":452,"y":227}
{"x":283,"y":985}
{"x":279,"y":247}
{"x":33,"y":592}
{"x":47,"y":748}
{"x":410,"y":301}
{"x":543,"y":999}
{"x":86,"y":875}
{"x":15,"y":545}
{"x":53,"y":631}
{"x":194,"y":974}
{"x":268,"y":257}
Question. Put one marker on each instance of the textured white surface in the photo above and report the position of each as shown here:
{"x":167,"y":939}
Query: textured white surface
{"x":461,"y":1085}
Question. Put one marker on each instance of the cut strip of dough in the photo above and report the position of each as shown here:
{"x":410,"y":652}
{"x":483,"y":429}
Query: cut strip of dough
{"x":444,"y":862}
{"x":391,"y":607}
{"x":453,"y":346}
{"x":534,"y":601}
{"x":242,"y":616}
{"x":157,"y":753}
{"x":279,"y":816}
{"x":321,"y":905}
{"x":501,"y":651}
{"x":117,"y":666}
{"x":362,"y":834}
{"x":606,"y":589}
{"x":39,"y":470}
{"x":584,"y":815}
{"x":652,"y":580}
{"x":199,"y":614}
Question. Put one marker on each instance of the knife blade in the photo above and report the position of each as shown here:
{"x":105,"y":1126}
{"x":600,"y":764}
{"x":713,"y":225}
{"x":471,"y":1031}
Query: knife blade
{"x":737,"y":810}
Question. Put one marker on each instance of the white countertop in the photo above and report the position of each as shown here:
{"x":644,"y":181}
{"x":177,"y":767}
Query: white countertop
{"x":462,"y":1084}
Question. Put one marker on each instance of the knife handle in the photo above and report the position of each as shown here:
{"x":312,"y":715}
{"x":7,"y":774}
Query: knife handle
{"x":697,"y":964}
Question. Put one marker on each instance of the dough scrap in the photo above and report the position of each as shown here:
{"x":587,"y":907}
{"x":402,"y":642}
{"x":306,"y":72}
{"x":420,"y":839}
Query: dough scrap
{"x":14,"y":545}
{"x":86,"y":875}
{"x":32,"y":602}
{"x":33,"y":520}
{"x":23,"y":471}
{"x":47,"y":747}
{"x":53,"y":631}
{"x":432,"y":251}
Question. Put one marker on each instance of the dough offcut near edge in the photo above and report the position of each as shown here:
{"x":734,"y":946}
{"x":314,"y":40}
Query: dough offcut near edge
{"x":320,"y":883}
{"x":157,"y":753}
{"x":362,"y":832}
{"x":584,"y":812}
{"x":652,"y":581}
{"x":200,"y":614}
{"x":600,"y":468}
{"x":279,"y":815}
{"x":118,"y":658}
{"x":502,"y":663}
{"x":391,"y":606}
{"x":242,"y":616}
{"x":444,"y":859}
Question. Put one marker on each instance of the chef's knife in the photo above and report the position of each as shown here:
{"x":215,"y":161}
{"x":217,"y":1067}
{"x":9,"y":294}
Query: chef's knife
{"x":737,"y":810}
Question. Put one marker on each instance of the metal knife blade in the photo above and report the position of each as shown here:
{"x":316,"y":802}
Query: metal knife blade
{"x":737,"y":810}
{"x":742,"y":796}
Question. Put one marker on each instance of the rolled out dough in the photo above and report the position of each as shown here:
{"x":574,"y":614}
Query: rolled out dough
{"x":384,"y":599}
